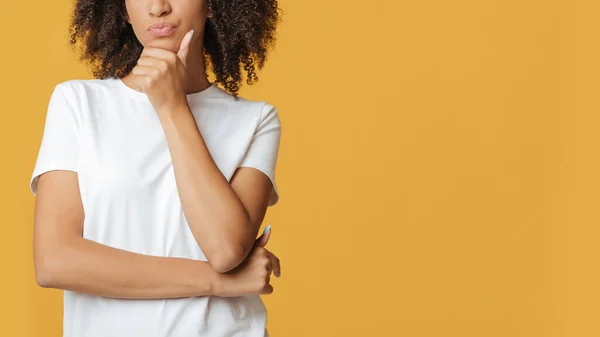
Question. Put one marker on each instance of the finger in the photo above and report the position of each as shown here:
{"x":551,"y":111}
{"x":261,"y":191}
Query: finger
{"x":153,"y":62}
{"x":264,"y":238}
{"x":275,"y":265}
{"x":140,"y":70}
{"x":268,"y":289}
{"x":149,"y":61}
{"x":184,"y":47}
{"x":142,"y":76}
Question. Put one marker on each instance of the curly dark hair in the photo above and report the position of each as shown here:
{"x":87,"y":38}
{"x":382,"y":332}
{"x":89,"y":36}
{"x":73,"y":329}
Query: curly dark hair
{"x":240,"y":32}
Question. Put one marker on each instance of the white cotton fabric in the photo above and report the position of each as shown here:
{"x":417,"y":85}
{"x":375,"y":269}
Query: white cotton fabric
{"x":111,"y":136}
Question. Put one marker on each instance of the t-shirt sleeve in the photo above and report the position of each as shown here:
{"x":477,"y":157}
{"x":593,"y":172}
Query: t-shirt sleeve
{"x":59,"y":149}
{"x":264,"y":147}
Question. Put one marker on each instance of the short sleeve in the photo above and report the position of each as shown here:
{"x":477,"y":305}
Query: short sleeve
{"x":264,"y":147}
{"x":59,"y":149}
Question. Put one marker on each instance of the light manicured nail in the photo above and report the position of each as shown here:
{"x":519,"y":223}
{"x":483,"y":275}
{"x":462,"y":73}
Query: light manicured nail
{"x":267,"y":229}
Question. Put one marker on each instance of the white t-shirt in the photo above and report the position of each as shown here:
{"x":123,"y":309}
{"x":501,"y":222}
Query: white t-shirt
{"x":111,"y":136}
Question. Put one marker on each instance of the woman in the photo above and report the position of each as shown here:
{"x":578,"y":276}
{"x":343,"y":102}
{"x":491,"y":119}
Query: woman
{"x":151,"y":181}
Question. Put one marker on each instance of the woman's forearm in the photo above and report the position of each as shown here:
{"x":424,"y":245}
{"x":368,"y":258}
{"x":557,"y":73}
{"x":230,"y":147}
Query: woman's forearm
{"x":216,"y":216}
{"x":89,"y":267}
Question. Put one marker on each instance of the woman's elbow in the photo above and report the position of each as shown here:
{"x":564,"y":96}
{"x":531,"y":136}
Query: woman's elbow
{"x":47,"y":270}
{"x":43,"y":275}
{"x":226,"y":260}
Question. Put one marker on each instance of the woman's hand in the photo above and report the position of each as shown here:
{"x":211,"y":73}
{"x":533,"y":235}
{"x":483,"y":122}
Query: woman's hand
{"x":252,"y":276}
{"x":162,"y":75}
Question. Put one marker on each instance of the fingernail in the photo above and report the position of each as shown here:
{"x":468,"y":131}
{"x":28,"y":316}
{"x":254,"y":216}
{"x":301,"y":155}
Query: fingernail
{"x":267,"y":229}
{"x":277,"y":275}
{"x":191,"y":36}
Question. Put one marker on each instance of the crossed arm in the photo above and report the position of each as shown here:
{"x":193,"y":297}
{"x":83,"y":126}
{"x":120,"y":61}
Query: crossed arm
{"x":64,"y":259}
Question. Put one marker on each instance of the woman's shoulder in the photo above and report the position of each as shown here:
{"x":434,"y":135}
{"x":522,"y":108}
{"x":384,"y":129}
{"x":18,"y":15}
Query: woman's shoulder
{"x":243,"y":106}
{"x":78,"y":91}
{"x":79,"y":86}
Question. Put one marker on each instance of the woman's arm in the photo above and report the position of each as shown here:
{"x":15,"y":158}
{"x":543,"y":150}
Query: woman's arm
{"x":64,"y":259}
{"x":75,"y":263}
{"x":223,"y":216}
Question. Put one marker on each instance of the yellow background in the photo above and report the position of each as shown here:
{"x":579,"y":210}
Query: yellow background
{"x":439,"y":170}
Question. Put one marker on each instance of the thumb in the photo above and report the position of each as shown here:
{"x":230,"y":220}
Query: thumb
{"x":264,"y":238}
{"x":184,"y":47}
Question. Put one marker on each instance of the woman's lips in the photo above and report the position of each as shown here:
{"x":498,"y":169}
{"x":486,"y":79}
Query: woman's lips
{"x":163,"y":31}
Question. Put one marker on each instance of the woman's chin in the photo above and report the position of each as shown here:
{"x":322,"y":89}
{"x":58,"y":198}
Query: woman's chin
{"x":167,"y":43}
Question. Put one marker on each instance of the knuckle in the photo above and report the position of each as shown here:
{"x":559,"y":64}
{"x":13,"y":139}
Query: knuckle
{"x":265,"y":260}
{"x":262,"y":286}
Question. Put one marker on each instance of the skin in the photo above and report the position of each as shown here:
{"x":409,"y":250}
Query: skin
{"x":224,"y":217}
